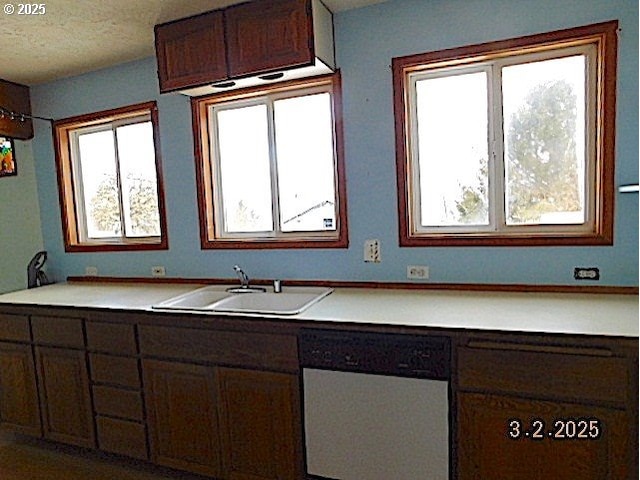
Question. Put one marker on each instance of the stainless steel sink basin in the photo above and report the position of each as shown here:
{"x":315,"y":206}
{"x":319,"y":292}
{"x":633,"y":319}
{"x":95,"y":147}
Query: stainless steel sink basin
{"x":290,"y":301}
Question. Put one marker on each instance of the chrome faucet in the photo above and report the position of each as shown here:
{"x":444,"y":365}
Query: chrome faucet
{"x":244,"y":279}
{"x":244,"y":283}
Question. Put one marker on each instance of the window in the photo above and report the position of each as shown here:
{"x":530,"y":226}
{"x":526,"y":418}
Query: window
{"x":109,"y":180}
{"x":509,"y":142}
{"x":269,"y":166}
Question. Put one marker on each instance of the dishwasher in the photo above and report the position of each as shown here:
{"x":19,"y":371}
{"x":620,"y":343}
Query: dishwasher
{"x":376,"y":405}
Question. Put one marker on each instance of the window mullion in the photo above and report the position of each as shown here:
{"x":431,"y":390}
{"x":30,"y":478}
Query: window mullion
{"x":273,"y":164}
{"x":78,"y":187}
{"x":497,"y":175}
{"x":119,"y":182}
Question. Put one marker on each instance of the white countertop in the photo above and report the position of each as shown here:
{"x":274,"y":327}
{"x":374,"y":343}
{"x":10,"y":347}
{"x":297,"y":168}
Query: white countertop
{"x":582,"y":314}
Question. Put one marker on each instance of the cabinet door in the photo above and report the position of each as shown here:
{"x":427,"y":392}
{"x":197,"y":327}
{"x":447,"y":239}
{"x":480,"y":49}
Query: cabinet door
{"x":19,"y":410}
{"x":260,"y":424}
{"x":181,"y":416}
{"x":485,"y":449}
{"x":191,"y":52}
{"x":15,"y":97}
{"x":65,"y":398}
{"x":269,"y":35}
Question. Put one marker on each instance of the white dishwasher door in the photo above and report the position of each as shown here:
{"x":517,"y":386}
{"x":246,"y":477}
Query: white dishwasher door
{"x":374,"y":427}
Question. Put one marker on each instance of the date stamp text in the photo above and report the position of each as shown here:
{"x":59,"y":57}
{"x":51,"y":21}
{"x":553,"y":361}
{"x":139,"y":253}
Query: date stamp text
{"x":583,"y":428}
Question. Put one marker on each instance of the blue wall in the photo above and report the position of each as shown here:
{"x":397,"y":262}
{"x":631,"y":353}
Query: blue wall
{"x":20,"y":233}
{"x":366,"y":40}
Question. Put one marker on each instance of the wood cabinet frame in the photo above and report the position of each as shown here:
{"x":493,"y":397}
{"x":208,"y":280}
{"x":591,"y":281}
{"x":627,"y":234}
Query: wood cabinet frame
{"x":606,"y":384}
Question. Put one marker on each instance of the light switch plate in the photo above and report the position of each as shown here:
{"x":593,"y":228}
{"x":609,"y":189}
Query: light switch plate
{"x":372,"y":251}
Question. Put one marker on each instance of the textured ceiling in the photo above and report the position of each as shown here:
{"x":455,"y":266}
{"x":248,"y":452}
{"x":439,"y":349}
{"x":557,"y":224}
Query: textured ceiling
{"x":77,"y":36}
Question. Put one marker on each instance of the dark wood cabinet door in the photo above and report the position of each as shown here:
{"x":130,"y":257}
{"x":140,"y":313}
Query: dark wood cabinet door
{"x":181,"y":416}
{"x":65,"y":398}
{"x":268,"y":35}
{"x":15,"y":98}
{"x":485,"y":449}
{"x":19,"y":410}
{"x":260,"y":425}
{"x":191,"y":52}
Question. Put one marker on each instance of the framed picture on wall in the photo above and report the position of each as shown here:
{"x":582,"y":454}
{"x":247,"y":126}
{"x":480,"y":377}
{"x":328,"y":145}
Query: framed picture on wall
{"x":8,"y":165}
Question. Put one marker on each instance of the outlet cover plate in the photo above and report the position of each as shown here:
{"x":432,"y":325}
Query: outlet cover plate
{"x":417,"y":272}
{"x":158,"y":271}
{"x":91,"y":271}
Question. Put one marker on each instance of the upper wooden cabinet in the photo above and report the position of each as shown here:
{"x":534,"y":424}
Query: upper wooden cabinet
{"x":15,"y":98}
{"x":270,"y":36}
{"x":245,"y":45}
{"x":191,"y":51}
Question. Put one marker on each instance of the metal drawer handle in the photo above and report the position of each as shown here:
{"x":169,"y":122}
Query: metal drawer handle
{"x":489,"y":345}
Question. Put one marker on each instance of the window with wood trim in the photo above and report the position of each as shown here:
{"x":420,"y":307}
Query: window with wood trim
{"x":109,"y":180}
{"x":509,"y":142}
{"x":269,"y":166}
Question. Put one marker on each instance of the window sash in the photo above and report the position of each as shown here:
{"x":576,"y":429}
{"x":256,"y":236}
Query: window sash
{"x":496,"y":141}
{"x":79,"y":193}
{"x":276,"y":232}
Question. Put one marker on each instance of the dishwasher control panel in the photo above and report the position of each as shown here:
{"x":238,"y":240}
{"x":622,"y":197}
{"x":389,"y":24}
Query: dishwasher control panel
{"x":398,"y":355}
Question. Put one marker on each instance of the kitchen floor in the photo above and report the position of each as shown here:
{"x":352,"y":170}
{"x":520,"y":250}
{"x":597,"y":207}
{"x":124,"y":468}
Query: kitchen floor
{"x":27,"y":459}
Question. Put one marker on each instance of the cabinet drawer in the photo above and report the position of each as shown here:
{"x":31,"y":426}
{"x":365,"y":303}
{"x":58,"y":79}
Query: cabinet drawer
{"x":122,"y":437}
{"x":117,"y":402}
{"x":583,"y":378}
{"x":14,"y":328}
{"x":57,"y":331}
{"x":111,"y":338}
{"x":260,"y":350}
{"x":121,"y":371}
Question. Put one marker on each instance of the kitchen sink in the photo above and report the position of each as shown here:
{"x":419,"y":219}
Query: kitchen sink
{"x":290,"y":301}
{"x":200,"y":299}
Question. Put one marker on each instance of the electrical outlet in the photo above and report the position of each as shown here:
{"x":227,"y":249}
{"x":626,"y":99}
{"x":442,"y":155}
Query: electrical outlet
{"x":586,"y":273}
{"x":372,"y":251}
{"x":158,"y":271}
{"x":91,"y":271}
{"x":417,"y":272}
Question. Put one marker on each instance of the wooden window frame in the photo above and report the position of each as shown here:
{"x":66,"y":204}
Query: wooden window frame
{"x":200,"y":107}
{"x":62,"y":130}
{"x":604,"y":36}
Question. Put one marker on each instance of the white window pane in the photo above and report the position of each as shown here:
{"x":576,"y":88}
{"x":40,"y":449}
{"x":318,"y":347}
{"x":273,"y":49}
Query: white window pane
{"x":452,"y":120}
{"x":244,"y":169}
{"x":305,"y":158}
{"x":138,"y":180}
{"x":99,"y":184}
{"x":544,"y":118}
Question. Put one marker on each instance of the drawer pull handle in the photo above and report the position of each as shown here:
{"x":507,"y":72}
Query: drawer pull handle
{"x":592,"y":351}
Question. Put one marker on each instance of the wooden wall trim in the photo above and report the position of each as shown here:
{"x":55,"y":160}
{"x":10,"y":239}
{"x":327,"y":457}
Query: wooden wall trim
{"x":477,"y":287}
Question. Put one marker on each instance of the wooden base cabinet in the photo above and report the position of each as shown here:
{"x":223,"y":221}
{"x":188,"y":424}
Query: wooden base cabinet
{"x":182,"y":417}
{"x":65,"y":397}
{"x":19,"y":409}
{"x":259,"y":420}
{"x":498,"y":440}
{"x":536,"y":411}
